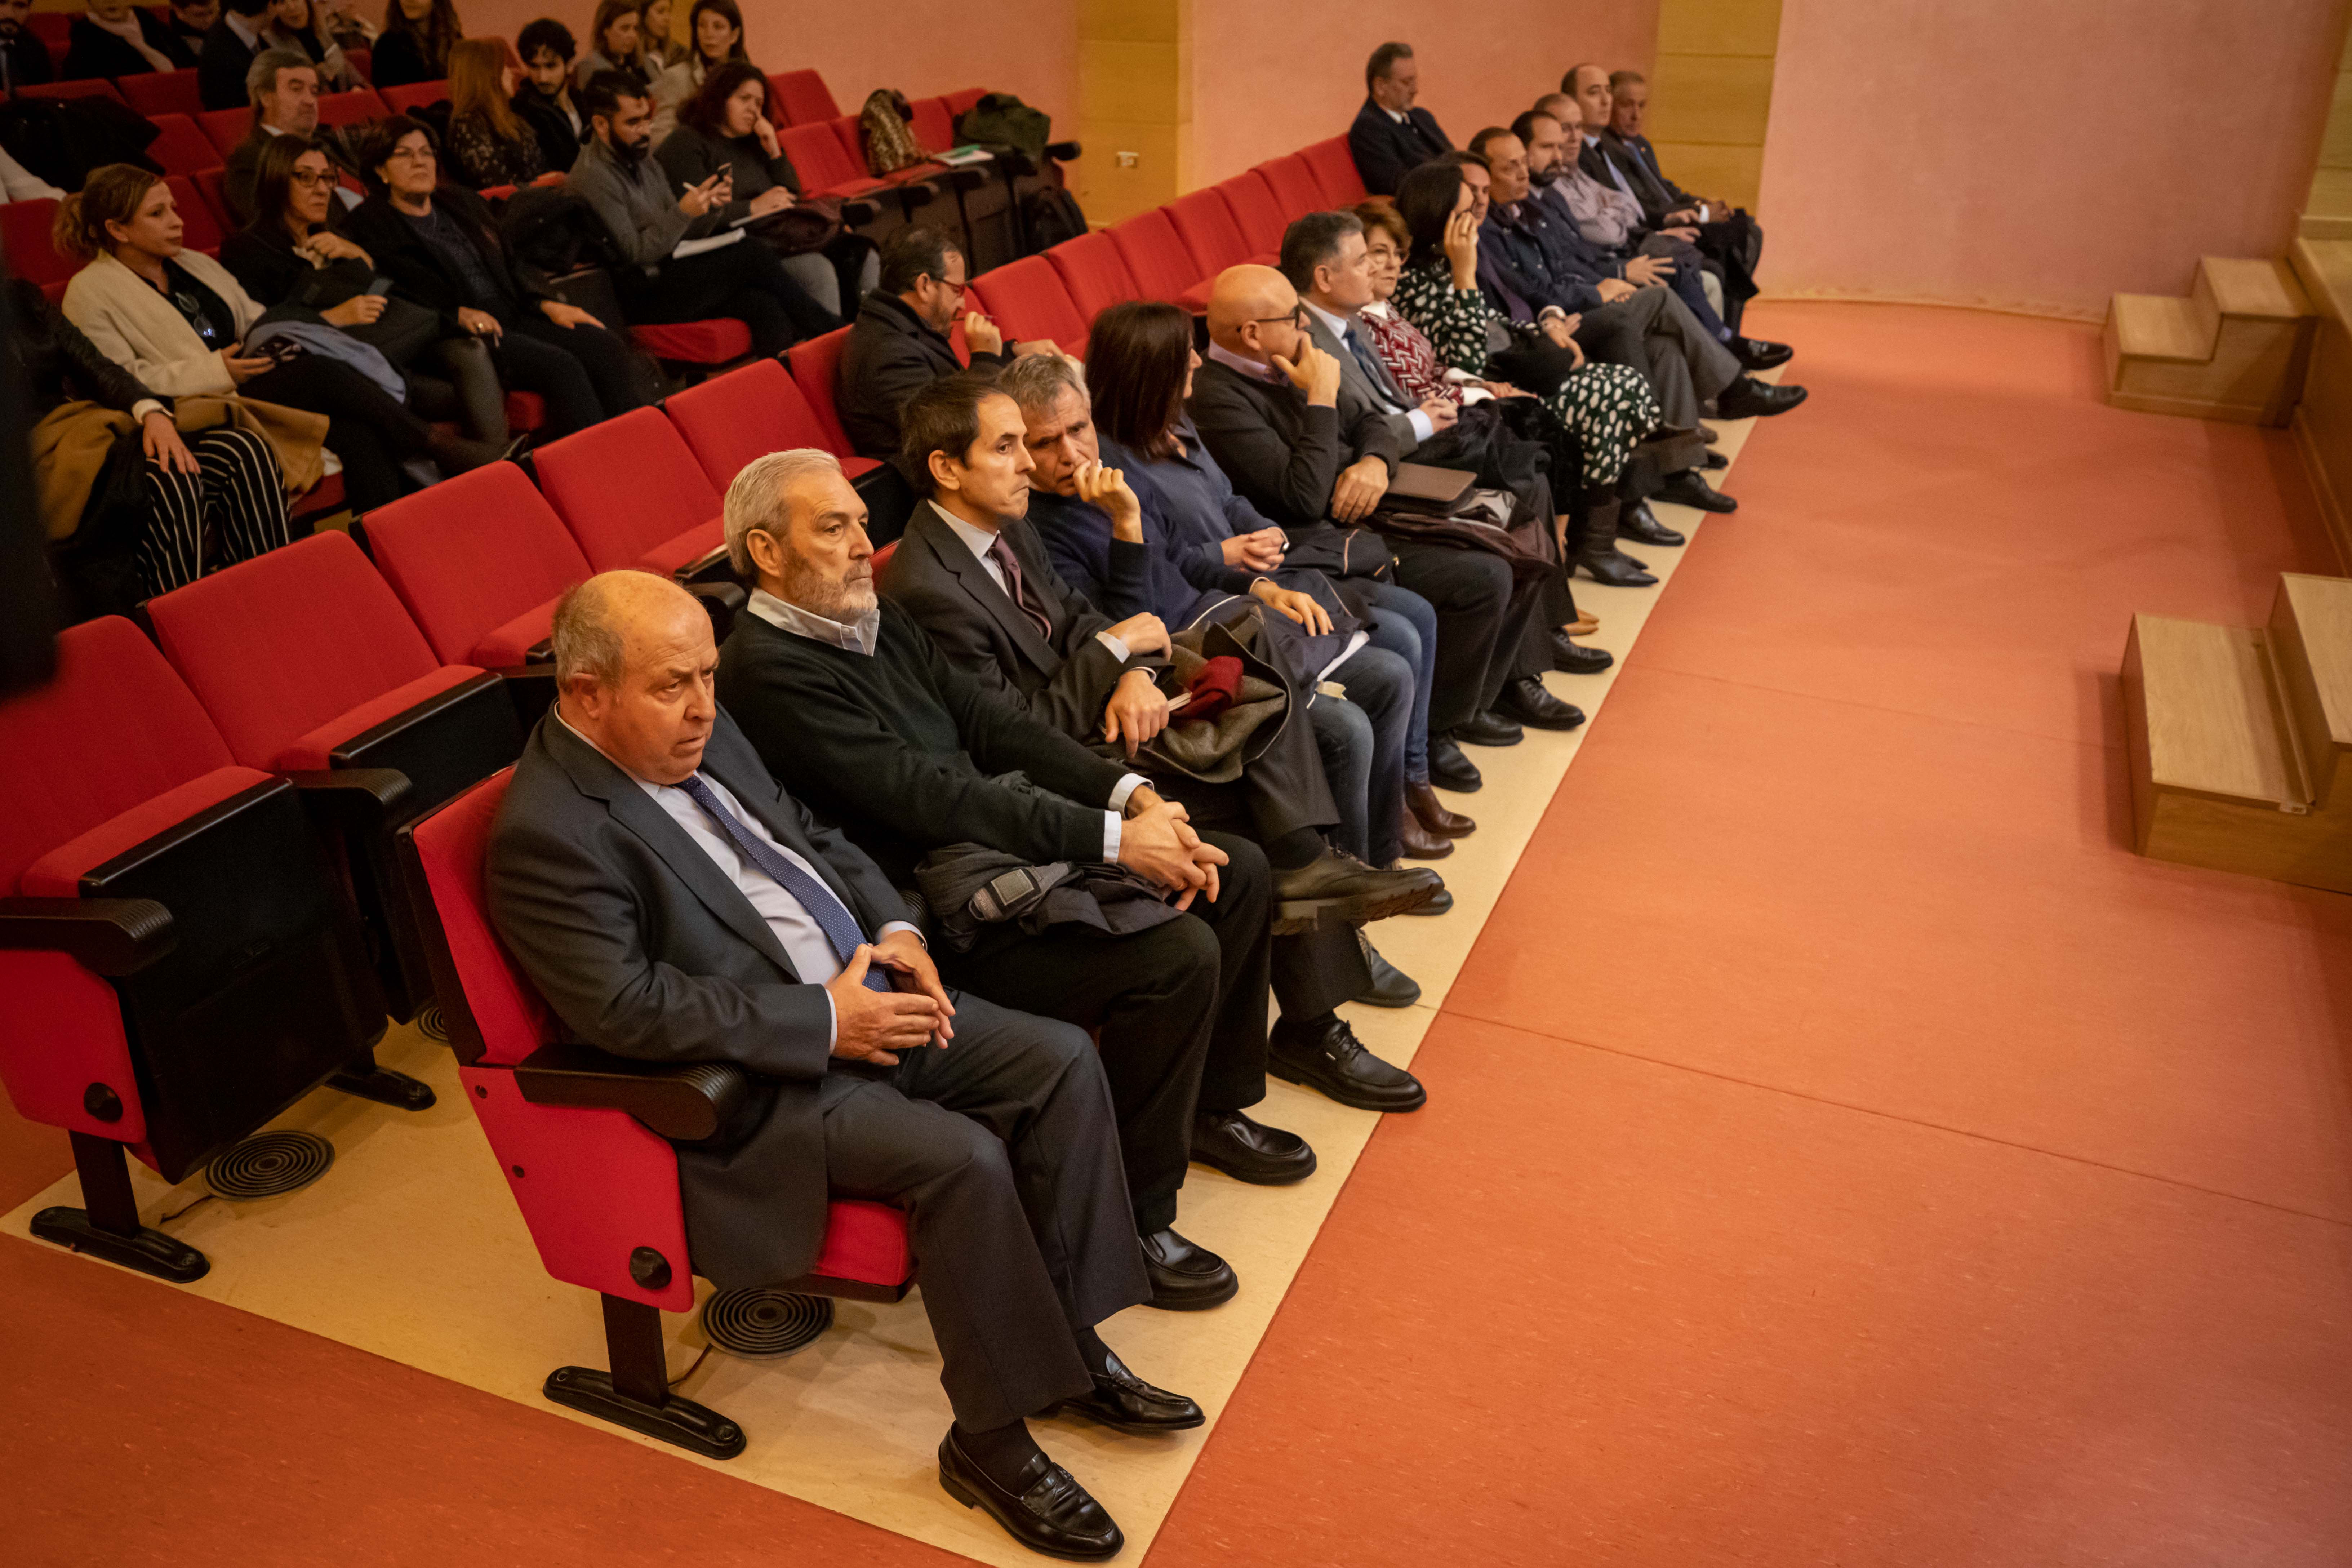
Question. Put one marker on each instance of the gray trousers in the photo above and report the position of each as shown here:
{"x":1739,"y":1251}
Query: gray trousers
{"x":1656,"y":334}
{"x":1003,"y":1150}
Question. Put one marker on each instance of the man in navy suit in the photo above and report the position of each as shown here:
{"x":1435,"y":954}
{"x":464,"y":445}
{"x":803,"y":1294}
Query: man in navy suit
{"x":1390,"y":137}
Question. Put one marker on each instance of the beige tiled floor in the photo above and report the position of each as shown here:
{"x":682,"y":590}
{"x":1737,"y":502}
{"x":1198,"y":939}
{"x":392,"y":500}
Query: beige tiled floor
{"x":411,"y":1248}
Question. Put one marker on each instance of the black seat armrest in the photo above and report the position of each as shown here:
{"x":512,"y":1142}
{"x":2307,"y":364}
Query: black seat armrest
{"x":722,"y":600}
{"x":684,"y":1104}
{"x":856,"y":212}
{"x":107,"y":936}
{"x":352,"y":800}
{"x":532,"y":684}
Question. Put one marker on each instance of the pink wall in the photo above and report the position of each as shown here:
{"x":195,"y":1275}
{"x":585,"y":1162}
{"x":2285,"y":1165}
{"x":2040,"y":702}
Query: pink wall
{"x":2038,"y":155}
{"x":1268,"y":79}
{"x":923,"y":47}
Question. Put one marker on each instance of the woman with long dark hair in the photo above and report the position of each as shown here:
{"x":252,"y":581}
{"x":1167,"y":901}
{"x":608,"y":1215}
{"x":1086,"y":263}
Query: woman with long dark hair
{"x":415,"y":42}
{"x":714,"y":38}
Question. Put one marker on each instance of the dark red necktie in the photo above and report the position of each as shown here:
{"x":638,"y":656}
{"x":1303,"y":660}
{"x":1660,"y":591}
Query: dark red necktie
{"x":1001,"y":553}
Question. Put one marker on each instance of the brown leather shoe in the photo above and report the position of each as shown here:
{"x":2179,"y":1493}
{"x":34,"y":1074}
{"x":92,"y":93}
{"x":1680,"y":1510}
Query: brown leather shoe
{"x":1419,"y":843}
{"x":1422,"y":801}
{"x":1584,"y":626}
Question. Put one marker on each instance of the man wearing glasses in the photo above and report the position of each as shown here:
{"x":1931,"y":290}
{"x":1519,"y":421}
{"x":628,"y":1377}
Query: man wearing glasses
{"x":899,"y":343}
{"x":283,"y":88}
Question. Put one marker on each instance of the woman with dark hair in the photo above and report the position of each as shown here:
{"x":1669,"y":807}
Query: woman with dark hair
{"x":1439,"y":319}
{"x":653,"y":36}
{"x":613,"y":44}
{"x":299,"y":25}
{"x":114,"y":38}
{"x":289,"y":252}
{"x":442,"y":249}
{"x":1139,"y":365}
{"x":178,"y":320}
{"x":489,"y":142}
{"x":714,"y":34}
{"x":415,"y":42}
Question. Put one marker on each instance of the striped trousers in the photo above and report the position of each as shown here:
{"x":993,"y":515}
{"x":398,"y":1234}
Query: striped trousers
{"x":231,"y":509}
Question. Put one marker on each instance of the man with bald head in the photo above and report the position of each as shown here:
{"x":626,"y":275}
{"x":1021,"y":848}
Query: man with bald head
{"x":673,"y":905}
{"x":1316,"y":456}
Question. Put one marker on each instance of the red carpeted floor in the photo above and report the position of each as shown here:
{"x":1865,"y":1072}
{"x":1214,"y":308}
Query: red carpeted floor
{"x":1841,"y":1148}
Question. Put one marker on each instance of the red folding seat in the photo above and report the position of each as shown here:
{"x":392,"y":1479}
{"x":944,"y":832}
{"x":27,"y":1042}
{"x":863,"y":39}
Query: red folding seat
{"x":631,"y":493}
{"x":179,"y":146}
{"x":1334,"y":170}
{"x":361,"y":61}
{"x":961,"y":100}
{"x":934,"y":125}
{"x":1155,"y":257}
{"x":824,"y":166}
{"x":225,"y":127}
{"x":1028,"y":301}
{"x":178,"y":963}
{"x":354,"y":108}
{"x":163,"y":92}
{"x":1295,"y":190}
{"x":306,"y":661}
{"x":730,"y":419}
{"x":200,"y":226}
{"x":89,"y":88}
{"x":25,"y":241}
{"x":587,"y":1143}
{"x":479,"y":561}
{"x":1090,"y":269}
{"x":801,"y":97}
{"x":55,"y":29}
{"x":1206,"y":226}
{"x":1255,"y":211}
{"x":211,"y":186}
{"x":416,"y":95}
{"x":722,"y":340}
{"x":816,"y":371}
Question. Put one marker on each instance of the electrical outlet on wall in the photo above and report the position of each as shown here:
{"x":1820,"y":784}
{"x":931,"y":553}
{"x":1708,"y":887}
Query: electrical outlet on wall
{"x":1127,"y":160}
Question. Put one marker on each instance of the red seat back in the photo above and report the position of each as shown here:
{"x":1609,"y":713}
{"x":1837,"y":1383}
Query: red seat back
{"x":213,"y":186}
{"x":1155,"y":257}
{"x":54,"y":28}
{"x":163,"y":92}
{"x":1090,"y":269}
{"x":279,"y":644}
{"x":179,"y":146}
{"x":1255,"y":211}
{"x":963,"y":98}
{"x":1206,"y":225}
{"x":1028,"y":300}
{"x":816,"y":370}
{"x":115,"y":728}
{"x":934,"y":125}
{"x":508,"y":1017}
{"x":1292,"y":181}
{"x":225,"y":127}
{"x":200,"y":226}
{"x":730,"y":419}
{"x":624,"y":487}
{"x":820,"y":160}
{"x":25,"y":241}
{"x":353,"y":108}
{"x":1334,"y":171}
{"x":471,"y":553}
{"x":86,"y":87}
{"x":416,"y":95}
{"x":801,"y":97}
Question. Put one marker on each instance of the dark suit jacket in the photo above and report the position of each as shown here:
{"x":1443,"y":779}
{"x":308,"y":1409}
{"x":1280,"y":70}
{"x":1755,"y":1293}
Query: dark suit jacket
{"x":1282,"y":454}
{"x":221,"y":66}
{"x":643,"y":948}
{"x":25,"y":61}
{"x":891,"y":354}
{"x":417,"y":270}
{"x":1598,"y":158}
{"x":1354,"y":380}
{"x":557,"y":143}
{"x":92,"y":51}
{"x":1648,"y":156}
{"x":1386,"y":151}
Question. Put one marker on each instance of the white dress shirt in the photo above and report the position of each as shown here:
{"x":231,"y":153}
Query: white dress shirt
{"x":796,"y":931}
{"x":1423,"y":426}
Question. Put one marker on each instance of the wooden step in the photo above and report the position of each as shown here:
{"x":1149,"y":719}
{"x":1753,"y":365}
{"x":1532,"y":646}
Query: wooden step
{"x":2212,"y":725}
{"x":2256,"y":288}
{"x":2161,"y":327}
{"x":2309,"y":638}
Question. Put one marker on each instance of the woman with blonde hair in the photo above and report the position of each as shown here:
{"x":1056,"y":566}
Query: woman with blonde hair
{"x":489,"y":144}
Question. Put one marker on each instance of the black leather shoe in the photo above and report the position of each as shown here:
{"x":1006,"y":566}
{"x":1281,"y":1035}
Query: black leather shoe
{"x":1526,"y":699}
{"x":1715,"y":460}
{"x":1185,"y":1277}
{"x":1336,"y":886}
{"x":1390,"y":987}
{"x":1488,"y":729}
{"x":1640,"y":524}
{"x":1686,"y":489}
{"x":1438,"y":905}
{"x":1449,"y":769}
{"x":1044,"y":1509}
{"x":1604,"y":564}
{"x":1250,"y":1151}
{"x":1125,"y":1402}
{"x":1328,"y":1057}
{"x":1574,"y":659}
{"x":1756,"y":353}
{"x":1748,"y":398}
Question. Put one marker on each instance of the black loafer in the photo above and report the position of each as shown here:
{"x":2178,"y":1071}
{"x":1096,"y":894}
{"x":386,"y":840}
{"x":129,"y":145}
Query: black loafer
{"x":1044,"y":1509}
{"x":1488,"y":728}
{"x":1250,"y":1151}
{"x":1686,"y":489}
{"x":1437,"y":906}
{"x":1614,"y":568}
{"x":1185,"y":1277}
{"x":1390,"y":987}
{"x":1125,"y":1402}
{"x":1449,"y":769}
{"x":1716,"y":460}
{"x":1748,"y":398}
{"x":1640,"y":524}
{"x":1526,"y":699}
{"x":1573,"y":657}
{"x":1756,"y":353}
{"x":1328,"y":1057}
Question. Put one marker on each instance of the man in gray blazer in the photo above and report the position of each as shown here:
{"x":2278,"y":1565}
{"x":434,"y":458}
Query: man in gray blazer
{"x":672,"y":904}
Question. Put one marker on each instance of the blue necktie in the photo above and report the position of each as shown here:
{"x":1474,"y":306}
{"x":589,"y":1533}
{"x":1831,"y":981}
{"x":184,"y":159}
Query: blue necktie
{"x":831,"y":916}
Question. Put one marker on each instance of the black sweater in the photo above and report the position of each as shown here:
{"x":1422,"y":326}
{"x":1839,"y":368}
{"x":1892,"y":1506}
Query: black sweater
{"x":900,"y":749}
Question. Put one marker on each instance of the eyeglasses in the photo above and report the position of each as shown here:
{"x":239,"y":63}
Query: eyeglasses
{"x":410,"y":154}
{"x":1297,"y":318}
{"x":311,"y":181}
{"x":955,"y":286}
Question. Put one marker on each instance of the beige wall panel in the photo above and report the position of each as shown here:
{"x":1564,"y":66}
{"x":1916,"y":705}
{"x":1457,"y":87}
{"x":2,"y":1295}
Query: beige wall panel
{"x":1718,"y":26}
{"x":1108,"y":193}
{"x":1710,"y":97}
{"x":1128,"y":21}
{"x":1709,"y":168}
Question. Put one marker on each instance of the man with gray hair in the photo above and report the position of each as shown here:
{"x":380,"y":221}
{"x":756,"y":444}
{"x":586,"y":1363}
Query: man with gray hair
{"x":1392,"y":137}
{"x":674,"y":905}
{"x":282,"y":88}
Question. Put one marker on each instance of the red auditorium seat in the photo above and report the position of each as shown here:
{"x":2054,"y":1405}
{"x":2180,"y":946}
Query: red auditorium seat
{"x":211,"y":186}
{"x":1206,"y":226}
{"x":54,"y":28}
{"x":801,"y":97}
{"x":934,"y":125}
{"x":722,"y":340}
{"x":306,"y":661}
{"x":225,"y":127}
{"x":823,"y":165}
{"x":200,"y":226}
{"x":730,"y":419}
{"x":1295,"y":190}
{"x":25,"y":241}
{"x":1155,"y":257}
{"x":480,"y":561}
{"x":354,"y":108}
{"x":1334,"y":171}
{"x":816,"y":370}
{"x":584,"y":1141}
{"x":1255,"y":211}
{"x":631,"y":493}
{"x":1027,"y":300}
{"x":177,"y":962}
{"x":90,"y":87}
{"x":179,"y":146}
{"x":1091,"y":270}
{"x":962,"y":99}
{"x":416,"y":95}
{"x":361,"y":63}
{"x":163,"y":92}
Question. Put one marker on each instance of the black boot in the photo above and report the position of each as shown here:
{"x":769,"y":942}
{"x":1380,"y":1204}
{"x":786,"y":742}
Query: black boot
{"x":1603,"y":564}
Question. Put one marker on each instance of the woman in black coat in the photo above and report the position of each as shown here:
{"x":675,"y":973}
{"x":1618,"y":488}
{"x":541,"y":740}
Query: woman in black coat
{"x":415,"y":44}
{"x":117,"y":39}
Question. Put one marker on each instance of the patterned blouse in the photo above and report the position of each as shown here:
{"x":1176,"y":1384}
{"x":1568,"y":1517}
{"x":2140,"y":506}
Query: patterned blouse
{"x":1407,"y":353}
{"x":1456,"y":323}
{"x":481,"y":158}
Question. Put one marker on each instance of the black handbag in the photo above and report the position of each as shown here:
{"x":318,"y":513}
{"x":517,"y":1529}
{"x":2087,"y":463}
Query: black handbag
{"x":810,"y":223}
